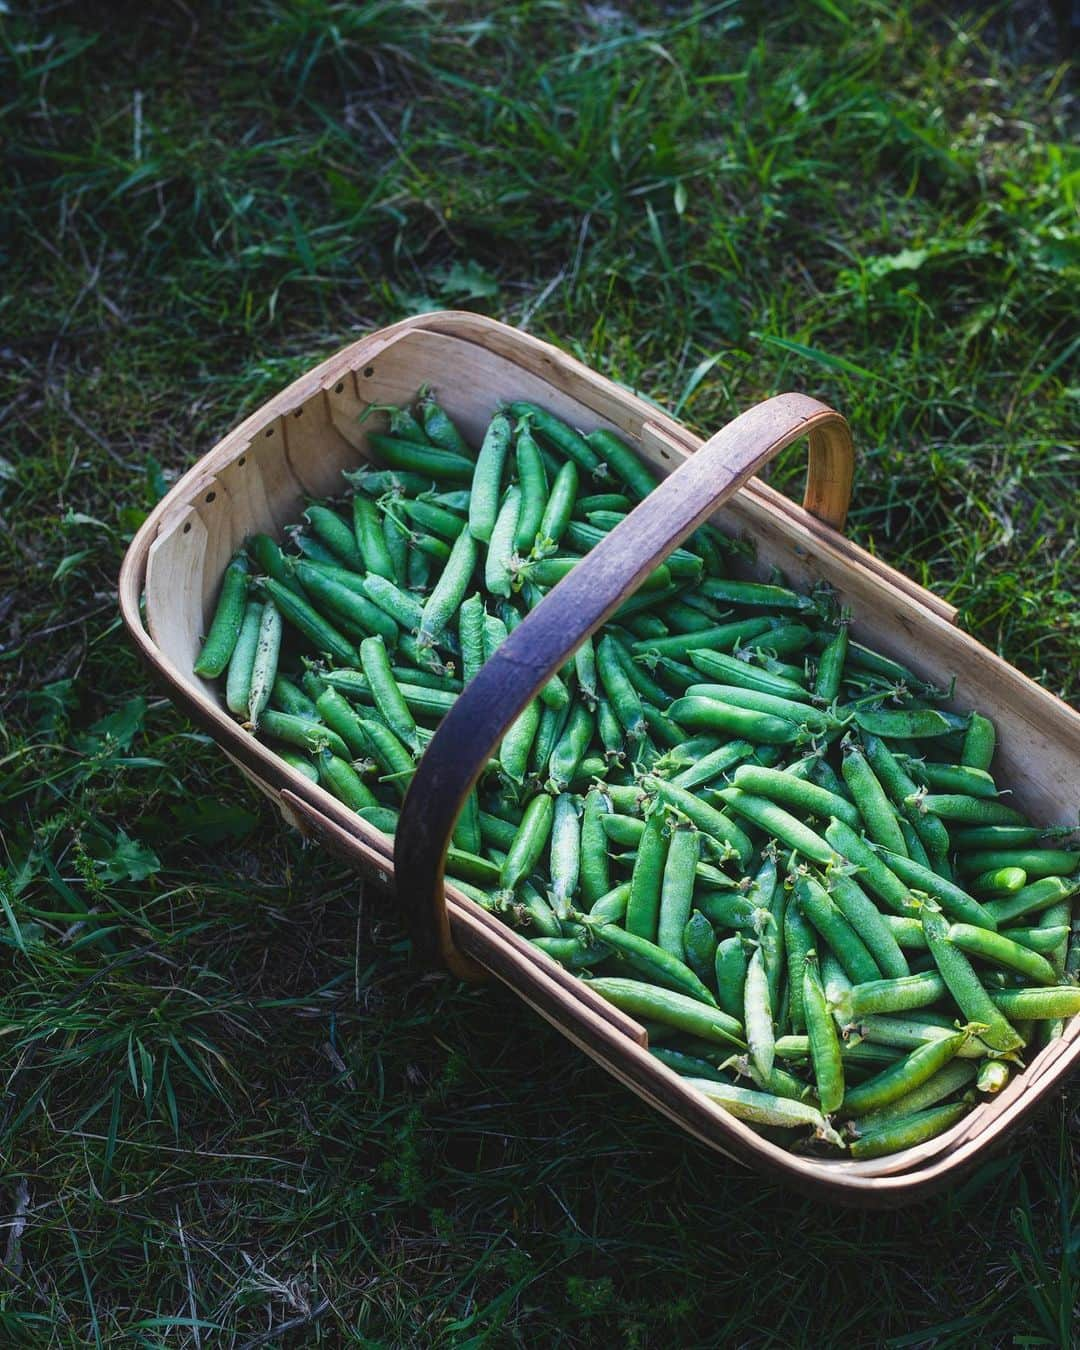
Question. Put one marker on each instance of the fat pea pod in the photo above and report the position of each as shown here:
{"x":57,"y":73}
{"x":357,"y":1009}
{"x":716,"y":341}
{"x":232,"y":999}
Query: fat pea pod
{"x":672,"y":1009}
{"x":808,"y":798}
{"x":677,"y":889}
{"x":324,"y":637}
{"x":824,"y":915}
{"x":242,"y":661}
{"x":227,"y":621}
{"x":498,"y":564}
{"x":904,"y":1076}
{"x":707,"y":818}
{"x":964,"y":985}
{"x":264,"y":665}
{"x":870,"y":798}
{"x":907,"y":1131}
{"x":487,"y":479}
{"x":343,"y":597}
{"x":699,"y":944}
{"x":370,"y":540}
{"x":643,"y":910}
{"x":824,"y":1042}
{"x":386,"y":693}
{"x":952,"y":899}
{"x":764,"y":1108}
{"x":432,"y":462}
{"x":443,"y":602}
{"x":529,"y":844}
{"x":777,"y":822}
{"x":569,"y":442}
{"x":648,"y":959}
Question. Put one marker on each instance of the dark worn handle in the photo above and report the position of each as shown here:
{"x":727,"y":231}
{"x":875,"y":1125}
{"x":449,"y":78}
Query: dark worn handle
{"x":470,"y":732}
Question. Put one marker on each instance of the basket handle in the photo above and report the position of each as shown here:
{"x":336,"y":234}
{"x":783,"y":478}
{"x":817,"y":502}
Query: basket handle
{"x":575,"y":608}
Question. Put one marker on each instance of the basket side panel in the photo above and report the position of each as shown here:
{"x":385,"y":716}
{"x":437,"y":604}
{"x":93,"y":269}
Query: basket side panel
{"x":174,"y":589}
{"x":316,"y":449}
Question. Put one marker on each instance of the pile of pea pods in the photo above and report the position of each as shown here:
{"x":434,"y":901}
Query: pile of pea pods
{"x":771,"y":845}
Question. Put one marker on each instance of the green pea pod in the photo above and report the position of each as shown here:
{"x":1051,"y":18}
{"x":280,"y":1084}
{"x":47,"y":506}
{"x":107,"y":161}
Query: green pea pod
{"x":570,"y":748}
{"x":558,"y":509}
{"x":908,"y":1131}
{"x":289,"y":698}
{"x":704,"y":769}
{"x":817,"y":720}
{"x":972,"y":999}
{"x":672,"y":1009}
{"x":227,"y":621}
{"x":595,"y":867}
{"x":733,"y":670}
{"x":612,"y":906}
{"x":302,"y":732}
{"x":958,"y":1074}
{"x":849,"y":949}
{"x":807,"y":798}
{"x":979,"y":741}
{"x":677,"y":890}
{"x":622,"y":462}
{"x":621,"y":694}
{"x":336,"y":535}
{"x":323,"y":636}
{"x":385,"y":691}
{"x":707,"y":818}
{"x":445,"y":600}
{"x":371,"y":543}
{"x":873,"y":873}
{"x":565,"y":863}
{"x":1024,"y":1005}
{"x":830,"y":669}
{"x":874,"y":997}
{"x":971,"y":810}
{"x":438,"y":427}
{"x":758,"y":1015}
{"x":906,"y":724}
{"x":1000,"y":950}
{"x":242,"y":661}
{"x":799,"y":940}
{"x":555,"y":432}
{"x":339,"y":777}
{"x":867,"y":920}
{"x":730,"y":968}
{"x":870,"y":798}
{"x":764,"y":1108}
{"x":824,"y":1042}
{"x":777,"y":822}
{"x":264,"y":666}
{"x":904,"y":1076}
{"x":699,"y":944}
{"x":643,"y":911}
{"x":952,"y":899}
{"x":442,"y":466}
{"x":270,"y":560}
{"x":529,"y":843}
{"x":1036,"y":863}
{"x":343,"y":598}
{"x":723,"y":637}
{"x":696,"y":713}
{"x":487,"y":479}
{"x":1037,"y":896}
{"x":653,"y":962}
{"x":516,"y":744}
{"x":498,"y":565}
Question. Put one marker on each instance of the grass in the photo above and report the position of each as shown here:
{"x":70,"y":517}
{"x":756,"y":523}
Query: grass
{"x":231,"y":1114}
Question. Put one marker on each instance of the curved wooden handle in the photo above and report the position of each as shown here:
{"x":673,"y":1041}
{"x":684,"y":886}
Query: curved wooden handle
{"x":470,"y":732}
